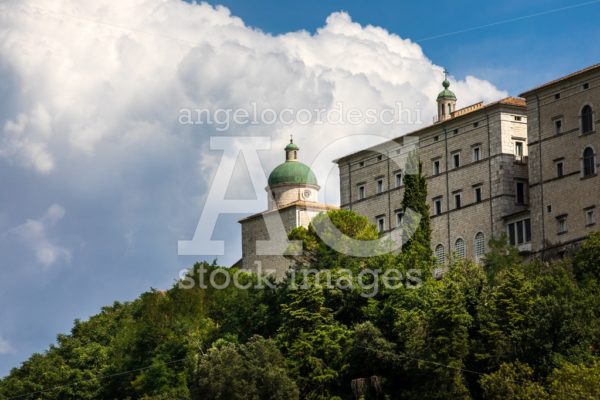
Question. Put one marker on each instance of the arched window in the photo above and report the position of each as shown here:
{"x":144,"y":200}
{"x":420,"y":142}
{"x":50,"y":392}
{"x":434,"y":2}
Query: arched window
{"x":459,"y":248}
{"x":479,"y":246}
{"x":439,"y":254}
{"x":589,"y":162}
{"x":587,"y":119}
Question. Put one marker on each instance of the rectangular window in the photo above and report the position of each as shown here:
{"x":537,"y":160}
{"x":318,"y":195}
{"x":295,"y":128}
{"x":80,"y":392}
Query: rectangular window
{"x":520,"y":195}
{"x":437,"y":206}
{"x":436,"y":167}
{"x":380,"y":186}
{"x":456,"y":160}
{"x":361,"y":192}
{"x":476,"y":154}
{"x":519,"y":232}
{"x":478,"y":194}
{"x":519,"y":149}
{"x":517,"y":118}
{"x":398,"y":179}
{"x":381,"y":224}
{"x":399,"y":216}
{"x":562,"y":224}
{"x":457,"y":200}
{"x":558,"y":126}
{"x":560,"y":168}
{"x":512,"y":239}
{"x":590,"y":218}
{"x":586,"y":86}
{"x":476,"y":124}
{"x":557,"y":96}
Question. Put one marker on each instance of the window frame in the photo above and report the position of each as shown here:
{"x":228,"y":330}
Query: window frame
{"x":441,"y":258}
{"x":559,"y":166}
{"x":399,"y":179}
{"x":464,"y":248}
{"x":379,"y":185}
{"x":587,"y":212}
{"x":399,"y":218}
{"x":476,"y":153}
{"x":587,"y":119}
{"x":361,"y":191}
{"x":437,"y":167}
{"x":514,"y":235}
{"x":380,"y":223}
{"x":457,"y":200}
{"x":479,"y":246}
{"x":478,"y":191}
{"x":456,"y":160}
{"x":562,"y":227}
{"x":588,"y":159}
{"x":558,"y":126}
{"x":437,"y":205}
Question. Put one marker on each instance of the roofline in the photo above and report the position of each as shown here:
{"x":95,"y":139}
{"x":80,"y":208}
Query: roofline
{"x":507,"y":101}
{"x":297,"y":203}
{"x":561,"y":79}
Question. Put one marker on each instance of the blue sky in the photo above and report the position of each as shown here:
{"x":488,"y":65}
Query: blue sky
{"x":515,"y":55}
{"x":101,"y":181}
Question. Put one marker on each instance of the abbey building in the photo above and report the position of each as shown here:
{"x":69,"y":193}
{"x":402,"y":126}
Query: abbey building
{"x":521,"y":167}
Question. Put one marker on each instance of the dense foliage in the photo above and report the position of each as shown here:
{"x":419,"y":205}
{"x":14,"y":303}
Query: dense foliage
{"x":507,"y":329}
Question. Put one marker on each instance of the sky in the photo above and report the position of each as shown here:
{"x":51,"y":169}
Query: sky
{"x":101,"y":177}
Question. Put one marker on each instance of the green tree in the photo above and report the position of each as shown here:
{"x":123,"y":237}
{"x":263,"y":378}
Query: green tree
{"x":512,"y":381}
{"x":255,"y":370}
{"x":575,"y":381}
{"x":314,"y":345}
{"x":415,"y":199}
{"x":586,"y":263}
{"x":505,"y":318}
{"x":500,"y":257}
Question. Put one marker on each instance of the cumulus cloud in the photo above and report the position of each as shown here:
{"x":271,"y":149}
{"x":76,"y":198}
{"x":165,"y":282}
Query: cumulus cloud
{"x":93,"y":74}
{"x":34,"y":234}
{"x":95,"y":90}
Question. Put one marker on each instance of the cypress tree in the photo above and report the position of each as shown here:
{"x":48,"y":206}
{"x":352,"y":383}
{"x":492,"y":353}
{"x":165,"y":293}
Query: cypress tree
{"x":415,"y":199}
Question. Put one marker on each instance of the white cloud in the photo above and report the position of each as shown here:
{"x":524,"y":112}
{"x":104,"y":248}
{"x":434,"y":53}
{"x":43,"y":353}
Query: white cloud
{"x":90,"y":73}
{"x":97,"y":88}
{"x":5,"y":346}
{"x":34,"y":234}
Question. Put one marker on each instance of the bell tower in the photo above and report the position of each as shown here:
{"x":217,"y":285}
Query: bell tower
{"x":446,"y":100}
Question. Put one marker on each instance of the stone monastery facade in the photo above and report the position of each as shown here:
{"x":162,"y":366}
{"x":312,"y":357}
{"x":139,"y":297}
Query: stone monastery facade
{"x":525,"y":167}
{"x":522,"y":167}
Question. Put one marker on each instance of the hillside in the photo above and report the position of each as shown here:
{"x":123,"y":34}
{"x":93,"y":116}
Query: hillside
{"x":504,"y":330}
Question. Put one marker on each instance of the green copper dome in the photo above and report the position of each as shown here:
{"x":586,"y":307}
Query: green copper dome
{"x":292,"y":173}
{"x":446,"y":93}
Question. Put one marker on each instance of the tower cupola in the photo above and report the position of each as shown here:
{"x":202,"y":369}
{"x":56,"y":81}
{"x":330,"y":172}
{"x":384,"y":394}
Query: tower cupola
{"x":446,"y":100}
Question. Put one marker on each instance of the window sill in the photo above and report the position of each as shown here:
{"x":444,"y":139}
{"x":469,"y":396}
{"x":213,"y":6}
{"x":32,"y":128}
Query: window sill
{"x":562,"y":233}
{"x":588,"y":176}
{"x":587,"y":133}
{"x":590,"y":225}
